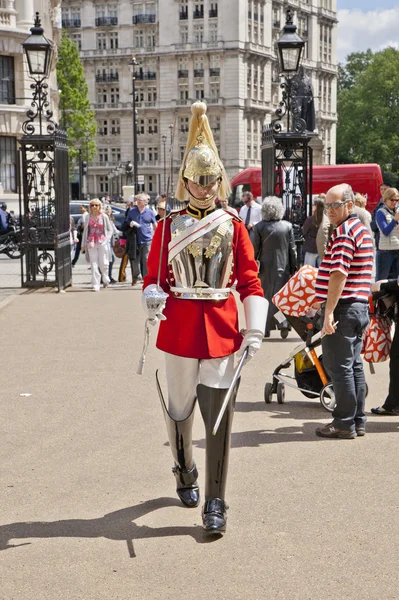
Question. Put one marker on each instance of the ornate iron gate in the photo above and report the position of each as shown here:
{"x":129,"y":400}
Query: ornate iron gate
{"x":44,"y":210}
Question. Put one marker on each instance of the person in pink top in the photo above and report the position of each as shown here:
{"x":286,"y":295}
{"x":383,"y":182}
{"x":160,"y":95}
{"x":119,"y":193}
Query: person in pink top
{"x":96,"y":237}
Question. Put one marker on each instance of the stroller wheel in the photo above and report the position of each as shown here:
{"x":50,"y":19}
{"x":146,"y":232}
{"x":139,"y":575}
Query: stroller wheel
{"x":280,"y":393}
{"x":284,"y":331}
{"x":327,"y":397}
{"x":268,"y":392}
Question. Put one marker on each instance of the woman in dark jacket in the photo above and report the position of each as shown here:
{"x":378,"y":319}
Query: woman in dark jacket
{"x":274,"y":244}
{"x":391,"y":404}
{"x":309,"y":230}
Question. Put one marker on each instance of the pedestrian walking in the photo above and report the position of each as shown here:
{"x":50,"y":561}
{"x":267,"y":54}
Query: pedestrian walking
{"x":310,"y":229}
{"x":274,"y":246}
{"x":115,"y":236}
{"x":124,"y":239}
{"x":250,"y":212}
{"x":342,"y":287}
{"x":205,"y":250}
{"x":391,"y":404}
{"x":374,"y":227}
{"x":142,"y":219}
{"x":224,"y":203}
{"x":79,"y":233}
{"x":97,"y":233}
{"x":387,"y":219}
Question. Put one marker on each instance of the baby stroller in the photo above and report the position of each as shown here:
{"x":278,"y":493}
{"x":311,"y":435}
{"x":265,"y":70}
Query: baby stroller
{"x":309,"y":374}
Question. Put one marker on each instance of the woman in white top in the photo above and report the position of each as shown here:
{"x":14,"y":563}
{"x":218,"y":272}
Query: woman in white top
{"x":95,"y":241}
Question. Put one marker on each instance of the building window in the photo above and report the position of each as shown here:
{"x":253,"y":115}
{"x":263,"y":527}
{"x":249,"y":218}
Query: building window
{"x":152,"y":126}
{"x":198,"y":10}
{"x":183,"y":34}
{"x":8,"y":167}
{"x":182,"y":152}
{"x":141,"y":127}
{"x":114,"y":95}
{"x":183,"y":124}
{"x":113,"y":40}
{"x":152,"y":155}
{"x":152,"y":38}
{"x":77,"y":39}
{"x":102,"y":127}
{"x":103,"y":155}
{"x":199,"y":93}
{"x":115,"y":127}
{"x":103,"y":180}
{"x":115,"y":155}
{"x":183,"y":11}
{"x":102,"y":95}
{"x":7,"y":90}
{"x":198,"y":34}
{"x":151,"y":95}
{"x":101,"y":41}
{"x":140,"y":155}
{"x":184,"y":93}
{"x":139,"y":39}
{"x":213,"y":32}
{"x":151,"y":185}
{"x":215,"y":91}
{"x":213,"y":10}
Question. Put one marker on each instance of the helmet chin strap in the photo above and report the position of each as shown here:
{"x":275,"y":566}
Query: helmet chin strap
{"x":203,"y":202}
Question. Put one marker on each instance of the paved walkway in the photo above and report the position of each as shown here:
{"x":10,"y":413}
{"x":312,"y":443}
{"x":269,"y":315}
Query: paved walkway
{"x":88,"y":510}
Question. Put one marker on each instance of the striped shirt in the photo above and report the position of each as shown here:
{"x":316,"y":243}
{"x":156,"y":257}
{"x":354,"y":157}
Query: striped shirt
{"x":349,"y":251}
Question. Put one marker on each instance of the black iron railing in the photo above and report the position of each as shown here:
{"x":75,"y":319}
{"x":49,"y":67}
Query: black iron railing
{"x":144,"y":19}
{"x":69,"y":23}
{"x":106,"y":21}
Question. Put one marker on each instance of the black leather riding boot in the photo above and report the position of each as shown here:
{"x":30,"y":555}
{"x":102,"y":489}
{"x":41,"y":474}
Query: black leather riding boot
{"x":180,"y":440}
{"x":210,"y":401}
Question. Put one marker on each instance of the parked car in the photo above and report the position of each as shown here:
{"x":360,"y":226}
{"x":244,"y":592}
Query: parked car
{"x":117,"y":211}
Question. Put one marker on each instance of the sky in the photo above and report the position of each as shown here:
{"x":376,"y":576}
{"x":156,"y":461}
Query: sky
{"x":366,"y":24}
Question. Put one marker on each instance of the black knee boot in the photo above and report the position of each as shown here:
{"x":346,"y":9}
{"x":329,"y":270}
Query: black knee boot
{"x":180,"y":439}
{"x":210,"y":401}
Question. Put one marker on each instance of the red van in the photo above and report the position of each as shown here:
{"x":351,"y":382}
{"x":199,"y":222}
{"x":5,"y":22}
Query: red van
{"x":364,"y":179}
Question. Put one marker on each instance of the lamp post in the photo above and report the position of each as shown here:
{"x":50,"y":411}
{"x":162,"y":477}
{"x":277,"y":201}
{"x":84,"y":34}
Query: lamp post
{"x":44,"y":205}
{"x":164,"y":138}
{"x":287,"y":158}
{"x":171,"y":127}
{"x":133,"y":63}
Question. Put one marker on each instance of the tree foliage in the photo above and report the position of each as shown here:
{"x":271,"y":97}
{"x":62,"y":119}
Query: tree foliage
{"x":368,"y":109}
{"x":76,"y":116}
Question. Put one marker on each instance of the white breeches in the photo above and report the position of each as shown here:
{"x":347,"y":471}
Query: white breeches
{"x":184,"y":374}
{"x":99,"y":263}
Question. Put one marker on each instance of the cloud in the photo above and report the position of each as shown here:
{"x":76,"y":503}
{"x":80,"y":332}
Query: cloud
{"x":359,"y":30}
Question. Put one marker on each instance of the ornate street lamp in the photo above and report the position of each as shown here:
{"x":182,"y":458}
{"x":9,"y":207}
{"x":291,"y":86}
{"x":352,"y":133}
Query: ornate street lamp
{"x":38,"y":50}
{"x":45,"y":181}
{"x":287,"y":158}
{"x":133,"y":63}
{"x":290,"y":47}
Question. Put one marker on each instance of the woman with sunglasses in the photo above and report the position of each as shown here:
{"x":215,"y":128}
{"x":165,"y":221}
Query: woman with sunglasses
{"x":388,"y":250}
{"x":97,"y":234}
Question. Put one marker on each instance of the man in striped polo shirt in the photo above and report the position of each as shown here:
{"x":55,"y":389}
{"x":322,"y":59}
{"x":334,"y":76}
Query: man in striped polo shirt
{"x":342,"y":287}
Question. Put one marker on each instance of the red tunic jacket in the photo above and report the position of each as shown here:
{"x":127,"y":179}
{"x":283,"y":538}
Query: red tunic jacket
{"x":203,"y":328}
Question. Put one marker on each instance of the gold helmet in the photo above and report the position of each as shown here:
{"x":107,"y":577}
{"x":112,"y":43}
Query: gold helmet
{"x":201,"y":162}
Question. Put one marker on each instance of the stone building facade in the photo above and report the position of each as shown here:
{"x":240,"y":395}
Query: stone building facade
{"x":16,"y":19}
{"x":221,"y":51}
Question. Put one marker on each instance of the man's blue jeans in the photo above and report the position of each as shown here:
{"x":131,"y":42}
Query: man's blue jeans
{"x":344,"y":365}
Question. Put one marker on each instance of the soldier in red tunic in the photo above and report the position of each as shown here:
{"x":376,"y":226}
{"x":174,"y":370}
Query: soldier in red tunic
{"x":204,"y":251}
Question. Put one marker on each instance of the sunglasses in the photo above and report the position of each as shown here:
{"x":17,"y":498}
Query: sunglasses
{"x":91,"y":205}
{"x":393,"y":199}
{"x":334,"y":205}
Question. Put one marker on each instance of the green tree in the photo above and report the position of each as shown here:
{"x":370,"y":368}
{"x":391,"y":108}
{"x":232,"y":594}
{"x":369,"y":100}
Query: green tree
{"x":368,"y":110}
{"x":76,"y":116}
{"x":356,"y":63}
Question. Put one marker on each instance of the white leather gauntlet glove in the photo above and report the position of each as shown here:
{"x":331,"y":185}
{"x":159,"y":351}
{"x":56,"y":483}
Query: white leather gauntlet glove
{"x":134,"y":224}
{"x":153,"y":302}
{"x":255,"y":309}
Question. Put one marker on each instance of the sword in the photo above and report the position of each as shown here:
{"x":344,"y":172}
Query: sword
{"x":231,"y":389}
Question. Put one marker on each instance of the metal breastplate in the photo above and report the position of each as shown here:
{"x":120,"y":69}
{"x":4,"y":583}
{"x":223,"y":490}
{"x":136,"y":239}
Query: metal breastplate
{"x":202,"y":269}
